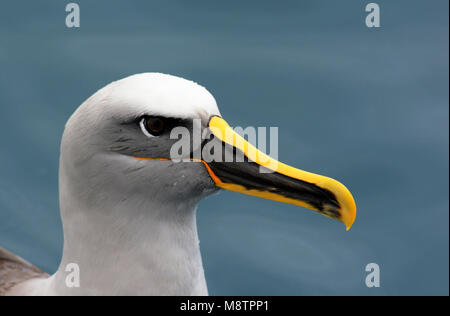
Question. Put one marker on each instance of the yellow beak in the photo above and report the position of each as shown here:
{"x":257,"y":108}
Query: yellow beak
{"x":283,"y":183}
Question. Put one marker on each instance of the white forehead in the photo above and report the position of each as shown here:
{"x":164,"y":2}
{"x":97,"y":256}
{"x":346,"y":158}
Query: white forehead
{"x":155,"y":94}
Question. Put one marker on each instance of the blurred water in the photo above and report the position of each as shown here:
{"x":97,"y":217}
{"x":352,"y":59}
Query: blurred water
{"x":368,"y":107}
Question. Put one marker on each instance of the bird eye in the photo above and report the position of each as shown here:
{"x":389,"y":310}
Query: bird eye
{"x":152,"y":126}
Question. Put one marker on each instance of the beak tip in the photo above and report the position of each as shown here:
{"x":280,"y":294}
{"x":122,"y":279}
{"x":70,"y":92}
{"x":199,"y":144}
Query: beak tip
{"x":346,"y":201}
{"x":348,"y":226}
{"x":351,"y":219}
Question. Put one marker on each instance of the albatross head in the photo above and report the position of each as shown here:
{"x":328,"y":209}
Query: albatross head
{"x":118,"y":143}
{"x":119,"y":183}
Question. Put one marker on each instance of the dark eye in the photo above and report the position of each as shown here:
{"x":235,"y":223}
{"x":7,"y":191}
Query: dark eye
{"x":152,"y":126}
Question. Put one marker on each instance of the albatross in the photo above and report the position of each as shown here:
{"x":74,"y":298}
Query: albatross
{"x":129,"y":210}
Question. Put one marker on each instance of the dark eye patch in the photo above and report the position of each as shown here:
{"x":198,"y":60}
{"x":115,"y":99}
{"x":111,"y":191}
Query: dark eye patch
{"x":133,"y":139}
